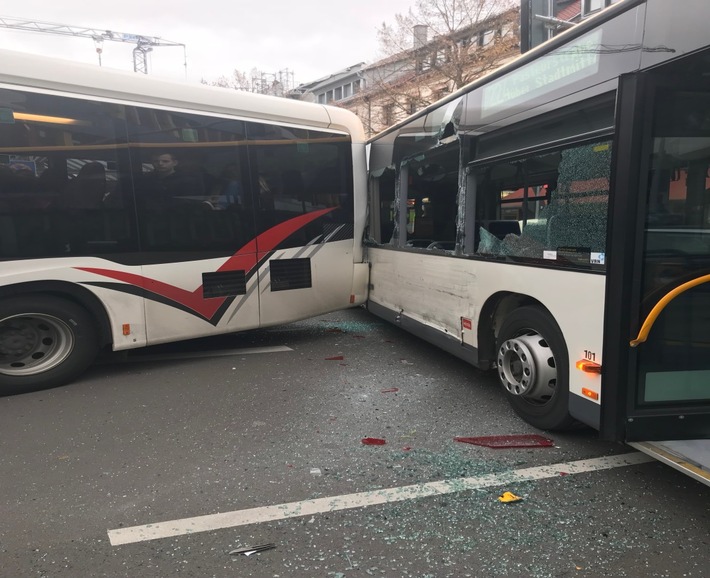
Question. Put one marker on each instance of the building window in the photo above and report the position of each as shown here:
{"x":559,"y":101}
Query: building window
{"x":329,"y":96}
{"x":591,"y":6}
{"x":321,"y":98}
{"x":347,"y":90}
{"x":338,"y":93}
{"x":388,"y":114}
{"x":357,"y":86}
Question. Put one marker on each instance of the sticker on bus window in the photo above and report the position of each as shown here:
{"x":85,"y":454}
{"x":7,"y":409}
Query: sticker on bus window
{"x":549,"y":255}
{"x":575,"y":255}
{"x":597,"y":258}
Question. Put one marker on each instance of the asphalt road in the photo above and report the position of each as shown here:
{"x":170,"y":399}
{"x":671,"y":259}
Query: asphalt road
{"x":162,"y":462}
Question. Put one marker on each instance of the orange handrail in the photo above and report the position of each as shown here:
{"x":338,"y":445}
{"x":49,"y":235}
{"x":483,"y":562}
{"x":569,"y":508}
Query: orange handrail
{"x":661,"y":305}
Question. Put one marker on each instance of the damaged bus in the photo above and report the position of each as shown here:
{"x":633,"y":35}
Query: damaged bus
{"x":551,"y":221}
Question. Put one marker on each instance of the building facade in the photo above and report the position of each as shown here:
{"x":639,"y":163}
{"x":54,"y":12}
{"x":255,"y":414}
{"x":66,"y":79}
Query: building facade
{"x":391,"y":89}
{"x":387,"y":91}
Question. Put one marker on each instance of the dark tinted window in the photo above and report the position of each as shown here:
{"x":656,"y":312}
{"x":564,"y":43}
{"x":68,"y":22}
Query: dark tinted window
{"x":190,"y":185}
{"x":61,"y":186}
{"x":83,"y":178}
{"x":297,"y":171}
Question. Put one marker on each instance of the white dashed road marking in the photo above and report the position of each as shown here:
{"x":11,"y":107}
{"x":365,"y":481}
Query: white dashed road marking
{"x":364,"y":499}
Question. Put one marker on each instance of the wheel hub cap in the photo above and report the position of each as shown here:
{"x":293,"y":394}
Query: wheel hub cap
{"x":33,"y":343}
{"x":526,"y":367}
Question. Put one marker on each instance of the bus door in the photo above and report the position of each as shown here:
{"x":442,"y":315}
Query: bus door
{"x":656,"y":374}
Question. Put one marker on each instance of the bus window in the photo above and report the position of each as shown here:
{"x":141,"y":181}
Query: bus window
{"x":58,"y":170}
{"x":189,"y":183}
{"x":382,"y":207}
{"x":432,"y":199}
{"x":550,"y":206}
{"x":297,"y":171}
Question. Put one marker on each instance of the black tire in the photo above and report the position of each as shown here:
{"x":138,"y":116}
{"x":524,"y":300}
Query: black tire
{"x":45,"y":342}
{"x":533,"y":368}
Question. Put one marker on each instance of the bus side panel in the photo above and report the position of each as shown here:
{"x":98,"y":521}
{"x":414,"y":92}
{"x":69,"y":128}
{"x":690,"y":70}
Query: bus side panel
{"x":439,"y":291}
{"x":175,"y":310}
{"x":329,"y":289}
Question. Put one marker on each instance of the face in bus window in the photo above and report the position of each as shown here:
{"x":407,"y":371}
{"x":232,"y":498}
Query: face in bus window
{"x":165,"y":164}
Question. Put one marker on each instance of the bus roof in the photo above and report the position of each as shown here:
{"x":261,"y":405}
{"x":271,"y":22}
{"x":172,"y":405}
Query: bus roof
{"x":85,"y":80}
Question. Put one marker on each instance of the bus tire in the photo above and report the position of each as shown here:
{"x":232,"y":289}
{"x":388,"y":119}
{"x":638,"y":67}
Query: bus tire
{"x":533,"y":368}
{"x":45,"y":341}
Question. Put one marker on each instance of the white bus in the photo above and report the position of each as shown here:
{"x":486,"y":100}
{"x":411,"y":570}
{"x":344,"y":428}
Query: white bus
{"x":135,"y":211}
{"x":552,"y":221}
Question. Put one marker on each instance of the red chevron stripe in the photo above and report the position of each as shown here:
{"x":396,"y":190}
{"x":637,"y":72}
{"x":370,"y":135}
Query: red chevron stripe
{"x":245,"y":259}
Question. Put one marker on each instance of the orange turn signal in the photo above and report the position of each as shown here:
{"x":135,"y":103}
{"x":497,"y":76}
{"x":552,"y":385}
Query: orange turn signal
{"x":590,"y":394}
{"x":126,"y":328}
{"x":588,"y":366}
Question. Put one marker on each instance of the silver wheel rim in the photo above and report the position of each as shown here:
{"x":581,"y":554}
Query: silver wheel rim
{"x":33,"y":343}
{"x":527,"y":368}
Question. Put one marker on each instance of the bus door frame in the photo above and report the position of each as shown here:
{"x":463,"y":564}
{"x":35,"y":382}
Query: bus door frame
{"x":621,"y":418}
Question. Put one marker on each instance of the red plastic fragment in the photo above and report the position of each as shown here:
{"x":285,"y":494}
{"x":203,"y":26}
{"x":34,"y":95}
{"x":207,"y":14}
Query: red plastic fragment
{"x":406,"y":448}
{"x":335,"y":358}
{"x":373,"y":441}
{"x":390,"y":390}
{"x":512,"y":441}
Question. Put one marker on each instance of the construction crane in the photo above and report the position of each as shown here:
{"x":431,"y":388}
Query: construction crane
{"x":144,"y":44}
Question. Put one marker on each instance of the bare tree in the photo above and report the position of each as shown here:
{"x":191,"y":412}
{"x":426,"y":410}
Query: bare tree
{"x":238,"y":81}
{"x":277,"y":84}
{"x":439,"y":46}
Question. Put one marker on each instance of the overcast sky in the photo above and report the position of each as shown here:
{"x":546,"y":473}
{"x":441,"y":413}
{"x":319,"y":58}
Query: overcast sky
{"x":310,"y":38}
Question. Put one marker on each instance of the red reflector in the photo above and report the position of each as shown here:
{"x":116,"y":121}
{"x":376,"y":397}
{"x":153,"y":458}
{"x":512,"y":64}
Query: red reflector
{"x":466,"y":323}
{"x":590,"y":394}
{"x":126,"y":328}
{"x":588,"y":366}
{"x":512,"y":441}
{"x":352,"y":298}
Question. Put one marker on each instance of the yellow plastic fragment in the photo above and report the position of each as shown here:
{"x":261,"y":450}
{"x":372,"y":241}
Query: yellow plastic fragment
{"x":508,"y":498}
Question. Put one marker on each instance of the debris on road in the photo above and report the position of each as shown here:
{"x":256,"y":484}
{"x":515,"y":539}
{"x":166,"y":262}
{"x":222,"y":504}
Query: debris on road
{"x":373,"y":441}
{"x":509,"y":498}
{"x":248,"y":551}
{"x":511,"y":441}
{"x":390,"y":390}
{"x":335,"y":358}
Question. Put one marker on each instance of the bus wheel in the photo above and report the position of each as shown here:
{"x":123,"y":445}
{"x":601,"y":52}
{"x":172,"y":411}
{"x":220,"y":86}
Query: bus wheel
{"x":44,"y":342}
{"x":533,"y":368}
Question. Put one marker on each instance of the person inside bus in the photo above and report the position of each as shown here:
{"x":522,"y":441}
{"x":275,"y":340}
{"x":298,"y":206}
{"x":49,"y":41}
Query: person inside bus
{"x":227,"y":192}
{"x":87,"y":189}
{"x":166,"y":184}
